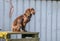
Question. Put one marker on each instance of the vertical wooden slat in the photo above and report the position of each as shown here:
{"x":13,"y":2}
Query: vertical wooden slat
{"x":48,"y":20}
{"x":40,"y":19}
{"x":6,"y":16}
{"x":11,"y":10}
{"x":43,"y":20}
{"x":51,"y":17}
{"x":16,"y":7}
{"x":1,"y":14}
{"x":58,"y":22}
{"x":54,"y":20}
{"x":37,"y":16}
{"x":46,"y":23}
{"x":37,"y":9}
{"x":20,"y":7}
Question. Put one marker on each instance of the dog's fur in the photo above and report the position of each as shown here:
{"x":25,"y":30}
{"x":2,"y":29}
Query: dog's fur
{"x":20,"y":22}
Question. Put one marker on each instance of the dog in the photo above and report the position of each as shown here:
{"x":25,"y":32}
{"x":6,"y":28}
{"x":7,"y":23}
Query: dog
{"x":20,"y":22}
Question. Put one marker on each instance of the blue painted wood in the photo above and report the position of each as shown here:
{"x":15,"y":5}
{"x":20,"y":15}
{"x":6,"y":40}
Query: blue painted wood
{"x":46,"y":20}
{"x":1,"y":13}
{"x":54,"y":22}
{"x":38,"y":17}
{"x":20,"y":7}
{"x":6,"y":16}
{"x":58,"y":22}
{"x":43,"y":22}
{"x":38,"y":13}
{"x":49,"y":21}
{"x":3,"y":18}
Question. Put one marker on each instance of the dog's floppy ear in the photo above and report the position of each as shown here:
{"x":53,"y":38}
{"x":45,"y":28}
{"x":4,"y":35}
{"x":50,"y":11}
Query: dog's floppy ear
{"x":32,"y":10}
{"x":29,"y":10}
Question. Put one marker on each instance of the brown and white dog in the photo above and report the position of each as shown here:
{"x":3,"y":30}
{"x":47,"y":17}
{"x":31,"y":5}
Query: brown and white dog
{"x":20,"y":22}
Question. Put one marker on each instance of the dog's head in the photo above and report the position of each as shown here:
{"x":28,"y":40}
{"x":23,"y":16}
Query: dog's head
{"x":30,"y":11}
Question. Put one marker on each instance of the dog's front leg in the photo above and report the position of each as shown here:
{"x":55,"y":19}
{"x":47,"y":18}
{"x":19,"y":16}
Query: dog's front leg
{"x":20,"y":27}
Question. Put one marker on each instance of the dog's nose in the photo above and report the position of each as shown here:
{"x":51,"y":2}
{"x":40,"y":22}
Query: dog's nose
{"x":33,"y":13}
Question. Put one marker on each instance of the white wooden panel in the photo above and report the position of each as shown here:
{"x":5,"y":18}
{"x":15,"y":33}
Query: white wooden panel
{"x":38,"y":13}
{"x":58,"y":22}
{"x":40,"y":19}
{"x":3,"y":18}
{"x":54,"y":13}
{"x":48,"y":20}
{"x":37,"y":16}
{"x":1,"y":13}
{"x":43,"y":21}
{"x":20,"y":7}
{"x":6,"y":15}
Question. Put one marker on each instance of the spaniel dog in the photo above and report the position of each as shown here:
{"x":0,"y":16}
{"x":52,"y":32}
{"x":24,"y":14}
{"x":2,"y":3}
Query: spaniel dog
{"x":20,"y":22}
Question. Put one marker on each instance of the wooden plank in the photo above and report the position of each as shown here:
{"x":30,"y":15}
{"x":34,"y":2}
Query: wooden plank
{"x":8,"y":32}
{"x":58,"y":21}
{"x":43,"y":21}
{"x":1,"y":14}
{"x":20,"y":7}
{"x":54,"y":13}
{"x":32,"y":39}
{"x":38,"y":14}
{"x":7,"y":15}
{"x":49,"y":20}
